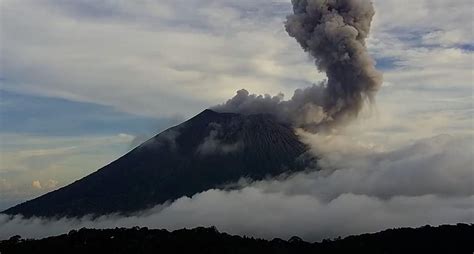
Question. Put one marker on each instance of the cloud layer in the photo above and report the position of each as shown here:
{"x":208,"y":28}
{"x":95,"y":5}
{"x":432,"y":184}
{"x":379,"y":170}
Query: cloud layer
{"x":359,"y":189}
{"x":162,"y":58}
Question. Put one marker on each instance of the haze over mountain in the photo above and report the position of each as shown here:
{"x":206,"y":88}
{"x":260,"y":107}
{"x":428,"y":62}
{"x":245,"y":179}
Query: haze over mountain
{"x":208,"y":151}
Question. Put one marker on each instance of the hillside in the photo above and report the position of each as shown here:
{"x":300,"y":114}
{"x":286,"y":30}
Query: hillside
{"x":208,"y":151}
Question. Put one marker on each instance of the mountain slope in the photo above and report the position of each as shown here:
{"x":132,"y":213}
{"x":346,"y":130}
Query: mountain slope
{"x":207,"y":151}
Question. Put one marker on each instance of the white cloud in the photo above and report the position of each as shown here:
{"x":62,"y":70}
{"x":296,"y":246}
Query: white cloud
{"x":174,"y":56}
{"x":170,"y":57}
{"x":426,"y":16}
{"x":425,"y":40}
{"x":447,"y":38}
{"x":213,"y":145}
{"x":31,"y":165}
{"x":36,"y":184}
{"x":441,"y":165}
{"x":48,"y":185}
{"x":360,"y":189}
{"x":139,"y":60}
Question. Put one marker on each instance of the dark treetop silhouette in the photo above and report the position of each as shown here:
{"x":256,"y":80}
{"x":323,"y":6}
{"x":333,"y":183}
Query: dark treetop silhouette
{"x":443,"y":239}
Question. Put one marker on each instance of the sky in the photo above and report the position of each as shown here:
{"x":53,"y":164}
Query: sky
{"x":83,"y":82}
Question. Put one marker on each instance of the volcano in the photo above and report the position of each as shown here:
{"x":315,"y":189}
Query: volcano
{"x":211,"y":150}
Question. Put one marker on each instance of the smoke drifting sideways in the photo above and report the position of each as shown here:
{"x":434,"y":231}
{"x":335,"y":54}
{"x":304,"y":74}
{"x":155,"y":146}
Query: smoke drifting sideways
{"x":333,"y":32}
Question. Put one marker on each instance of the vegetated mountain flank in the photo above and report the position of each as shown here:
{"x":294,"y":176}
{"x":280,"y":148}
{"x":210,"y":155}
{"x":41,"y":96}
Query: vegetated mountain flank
{"x":208,"y":151}
{"x":443,"y":239}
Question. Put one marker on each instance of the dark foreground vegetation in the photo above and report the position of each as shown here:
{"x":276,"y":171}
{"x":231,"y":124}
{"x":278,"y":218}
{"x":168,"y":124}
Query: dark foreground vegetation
{"x":444,"y":239}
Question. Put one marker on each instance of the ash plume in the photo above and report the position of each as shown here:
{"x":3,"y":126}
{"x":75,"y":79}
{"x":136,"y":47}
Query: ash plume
{"x":334,"y":33}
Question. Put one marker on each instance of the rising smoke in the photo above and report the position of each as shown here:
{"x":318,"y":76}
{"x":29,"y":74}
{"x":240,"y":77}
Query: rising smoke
{"x":358,"y":189}
{"x":334,"y":33}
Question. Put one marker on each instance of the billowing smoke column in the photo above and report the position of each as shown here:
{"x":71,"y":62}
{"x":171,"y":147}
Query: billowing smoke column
{"x":334,"y":33}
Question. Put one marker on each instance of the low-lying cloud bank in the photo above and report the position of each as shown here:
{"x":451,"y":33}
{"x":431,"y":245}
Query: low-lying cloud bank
{"x":361,"y":188}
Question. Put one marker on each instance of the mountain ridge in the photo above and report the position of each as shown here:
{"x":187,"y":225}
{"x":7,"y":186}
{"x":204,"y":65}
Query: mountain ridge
{"x":207,"y":151}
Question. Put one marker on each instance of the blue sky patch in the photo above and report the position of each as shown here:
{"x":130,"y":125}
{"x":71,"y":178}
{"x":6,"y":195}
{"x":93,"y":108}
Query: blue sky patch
{"x":29,"y":114}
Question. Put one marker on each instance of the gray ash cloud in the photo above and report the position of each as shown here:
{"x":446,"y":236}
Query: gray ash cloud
{"x":333,"y":32}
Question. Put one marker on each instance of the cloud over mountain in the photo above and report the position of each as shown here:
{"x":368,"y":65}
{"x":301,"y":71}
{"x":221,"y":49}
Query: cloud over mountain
{"x":359,"y":189}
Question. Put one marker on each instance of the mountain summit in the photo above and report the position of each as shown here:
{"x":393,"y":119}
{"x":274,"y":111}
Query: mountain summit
{"x":208,"y":151}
